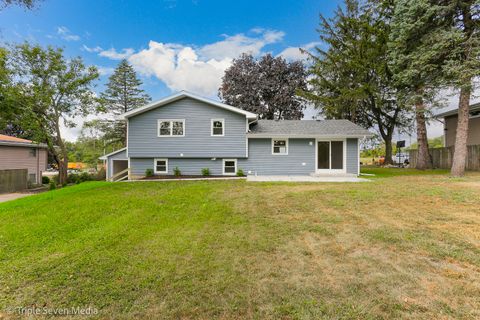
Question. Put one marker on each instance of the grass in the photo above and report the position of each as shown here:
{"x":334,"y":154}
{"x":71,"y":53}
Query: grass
{"x":402,"y":246}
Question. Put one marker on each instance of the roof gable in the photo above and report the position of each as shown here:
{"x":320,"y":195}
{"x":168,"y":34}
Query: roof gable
{"x":181,"y":95}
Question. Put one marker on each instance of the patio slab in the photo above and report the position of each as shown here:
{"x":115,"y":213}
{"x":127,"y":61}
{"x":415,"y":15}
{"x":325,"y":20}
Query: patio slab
{"x":307,"y":178}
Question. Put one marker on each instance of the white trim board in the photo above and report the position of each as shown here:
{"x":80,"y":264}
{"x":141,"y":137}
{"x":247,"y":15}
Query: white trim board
{"x":112,"y":153}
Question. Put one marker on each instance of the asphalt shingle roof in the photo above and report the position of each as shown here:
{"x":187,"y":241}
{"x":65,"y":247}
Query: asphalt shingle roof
{"x":307,"y":127}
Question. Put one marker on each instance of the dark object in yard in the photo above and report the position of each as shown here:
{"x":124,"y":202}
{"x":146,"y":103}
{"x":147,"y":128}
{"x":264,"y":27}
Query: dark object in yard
{"x":401,"y":144}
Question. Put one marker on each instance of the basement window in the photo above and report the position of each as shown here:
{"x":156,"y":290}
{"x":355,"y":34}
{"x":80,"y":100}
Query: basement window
{"x":161,"y":165}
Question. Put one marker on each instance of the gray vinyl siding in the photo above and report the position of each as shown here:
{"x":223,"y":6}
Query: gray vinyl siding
{"x":192,"y":166}
{"x":299,"y":161}
{"x":118,"y":156}
{"x":352,"y":156}
{"x":143,"y":140}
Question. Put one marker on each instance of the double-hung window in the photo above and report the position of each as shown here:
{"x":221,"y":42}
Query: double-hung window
{"x":171,"y":127}
{"x":279,"y":146}
{"x":218,"y":127}
{"x":229,"y":166}
{"x":161,"y":165}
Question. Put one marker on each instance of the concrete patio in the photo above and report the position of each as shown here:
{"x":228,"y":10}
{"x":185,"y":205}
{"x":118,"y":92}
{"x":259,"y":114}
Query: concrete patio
{"x":307,"y":178}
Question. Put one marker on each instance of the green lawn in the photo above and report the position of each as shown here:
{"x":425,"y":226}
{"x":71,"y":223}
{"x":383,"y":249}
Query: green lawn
{"x":401,"y":246}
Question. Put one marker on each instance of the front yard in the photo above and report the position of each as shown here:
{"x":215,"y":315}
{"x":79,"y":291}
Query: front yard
{"x":403,"y":245}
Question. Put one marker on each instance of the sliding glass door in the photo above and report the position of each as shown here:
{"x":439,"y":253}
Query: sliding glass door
{"x":330,"y":156}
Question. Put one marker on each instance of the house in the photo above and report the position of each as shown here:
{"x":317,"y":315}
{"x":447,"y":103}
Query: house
{"x":189,"y":132}
{"x":16,"y":153}
{"x":450,"y":119}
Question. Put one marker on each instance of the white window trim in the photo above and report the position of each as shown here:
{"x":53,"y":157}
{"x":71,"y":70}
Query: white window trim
{"x":286,"y":145}
{"x":155,"y":165}
{"x":223,"y":128}
{"x":230,"y":173}
{"x":159,"y":121}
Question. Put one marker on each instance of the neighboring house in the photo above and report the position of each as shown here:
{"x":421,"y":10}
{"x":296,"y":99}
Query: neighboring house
{"x":191,"y":133}
{"x":16,"y":153}
{"x":450,"y":126}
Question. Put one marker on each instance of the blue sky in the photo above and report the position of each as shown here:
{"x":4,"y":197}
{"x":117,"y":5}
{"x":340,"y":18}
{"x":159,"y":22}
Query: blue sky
{"x":174,"y":44}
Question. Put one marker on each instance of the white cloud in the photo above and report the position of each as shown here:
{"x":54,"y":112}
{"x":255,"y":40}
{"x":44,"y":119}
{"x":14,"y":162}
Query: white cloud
{"x":180,"y":67}
{"x":65,"y":34}
{"x":235,"y":45}
{"x":105,"y":71}
{"x":94,"y":49}
{"x":294,"y":53}
{"x":114,"y":55}
{"x":198,"y":69}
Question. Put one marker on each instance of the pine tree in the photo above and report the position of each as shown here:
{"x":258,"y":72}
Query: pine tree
{"x":351,"y":78}
{"x":441,"y":45}
{"x":123,"y":94}
{"x":418,"y":77}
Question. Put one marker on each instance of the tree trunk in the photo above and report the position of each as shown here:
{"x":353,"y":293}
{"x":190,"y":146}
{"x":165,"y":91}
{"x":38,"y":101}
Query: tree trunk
{"x":460,"y":151}
{"x":63,"y":160}
{"x":424,"y":159}
{"x":388,"y":150}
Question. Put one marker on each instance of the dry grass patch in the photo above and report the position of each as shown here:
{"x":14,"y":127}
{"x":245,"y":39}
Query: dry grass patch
{"x":398,"y":247}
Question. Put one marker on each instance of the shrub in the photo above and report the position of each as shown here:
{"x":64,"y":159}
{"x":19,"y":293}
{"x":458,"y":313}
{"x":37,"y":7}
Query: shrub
{"x":205,"y":172}
{"x":73,"y":178}
{"x":53,"y":185}
{"x":84,"y":176}
{"x":149,"y":173}
{"x":177,"y":172}
{"x":45,"y":180}
{"x":240,"y":173}
{"x":101,"y":175}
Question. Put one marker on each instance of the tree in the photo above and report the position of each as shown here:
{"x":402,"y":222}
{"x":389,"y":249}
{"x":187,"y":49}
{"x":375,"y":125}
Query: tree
{"x":27,"y":4}
{"x":123,"y":94}
{"x":51,"y":89}
{"x":418,"y":76}
{"x":462,"y":64}
{"x":443,"y":44}
{"x":267,"y":87}
{"x":351,"y":78}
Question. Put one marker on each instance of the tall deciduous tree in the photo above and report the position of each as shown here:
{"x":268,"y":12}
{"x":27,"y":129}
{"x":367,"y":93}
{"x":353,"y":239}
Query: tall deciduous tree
{"x":51,"y":90}
{"x":123,"y":94}
{"x":267,"y":87}
{"x":351,"y":78}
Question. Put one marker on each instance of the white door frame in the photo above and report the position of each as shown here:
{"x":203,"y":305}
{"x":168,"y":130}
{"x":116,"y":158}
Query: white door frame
{"x":331,"y":171}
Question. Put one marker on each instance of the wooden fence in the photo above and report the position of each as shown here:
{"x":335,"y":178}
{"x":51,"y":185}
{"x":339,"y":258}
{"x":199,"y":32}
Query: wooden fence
{"x":442,"y":157}
{"x":13,"y":180}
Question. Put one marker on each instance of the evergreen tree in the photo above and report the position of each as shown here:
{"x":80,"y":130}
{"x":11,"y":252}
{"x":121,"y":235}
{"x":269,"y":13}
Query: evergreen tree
{"x":439,"y":46}
{"x":418,"y":77}
{"x":123,"y":94}
{"x":351,"y":78}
